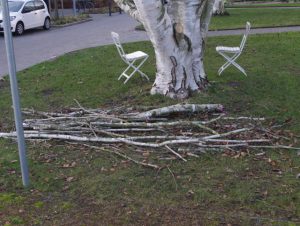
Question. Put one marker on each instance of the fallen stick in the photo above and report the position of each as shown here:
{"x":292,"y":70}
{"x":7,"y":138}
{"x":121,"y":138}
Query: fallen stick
{"x":127,"y":140}
{"x":124,"y":156}
{"x":149,"y":125}
{"x":96,"y":139}
{"x":152,"y":131}
{"x":135,"y":130}
{"x":227,"y":133}
{"x":181,"y":108}
{"x":237,"y":141}
{"x":238,"y":145}
{"x":175,"y":153}
{"x":244,"y":118}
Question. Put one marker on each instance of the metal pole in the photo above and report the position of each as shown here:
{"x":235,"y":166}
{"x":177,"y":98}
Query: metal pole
{"x":49,"y":9}
{"x":62,"y":8}
{"x":74,"y":8}
{"x":14,"y":91}
{"x":109,"y":7}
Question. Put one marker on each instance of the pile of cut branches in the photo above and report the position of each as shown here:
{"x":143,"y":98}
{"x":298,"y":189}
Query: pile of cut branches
{"x":173,"y":132}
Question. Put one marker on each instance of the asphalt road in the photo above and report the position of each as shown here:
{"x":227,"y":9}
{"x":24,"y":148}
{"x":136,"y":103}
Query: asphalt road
{"x":38,"y":45}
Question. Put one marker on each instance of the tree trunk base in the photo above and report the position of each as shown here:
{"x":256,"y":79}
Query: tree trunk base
{"x":181,"y":93}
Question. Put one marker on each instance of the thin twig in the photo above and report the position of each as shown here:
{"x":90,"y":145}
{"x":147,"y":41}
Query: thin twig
{"x":176,"y":185}
{"x":175,"y":153}
{"x":92,"y":130}
{"x":124,"y":156}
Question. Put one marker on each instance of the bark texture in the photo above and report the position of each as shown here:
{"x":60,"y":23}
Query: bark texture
{"x":167,"y":133}
{"x":177,"y":30}
{"x":219,"y":8}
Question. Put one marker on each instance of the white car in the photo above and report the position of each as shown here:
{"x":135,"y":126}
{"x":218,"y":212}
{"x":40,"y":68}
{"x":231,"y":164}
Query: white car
{"x":27,"y":14}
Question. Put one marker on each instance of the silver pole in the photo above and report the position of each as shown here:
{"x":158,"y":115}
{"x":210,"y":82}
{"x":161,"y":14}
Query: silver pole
{"x":74,"y":8}
{"x":50,"y":9}
{"x":14,"y":91}
{"x":62,"y":8}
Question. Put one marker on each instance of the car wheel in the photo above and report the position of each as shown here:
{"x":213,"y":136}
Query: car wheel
{"x":19,"y":28}
{"x":47,"y":24}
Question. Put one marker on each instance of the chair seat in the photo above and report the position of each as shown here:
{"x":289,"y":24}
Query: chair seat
{"x":130,"y":59}
{"x":228,"y":49}
{"x":135,"y":55}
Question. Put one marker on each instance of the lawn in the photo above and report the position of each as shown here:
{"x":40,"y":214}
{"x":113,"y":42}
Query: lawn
{"x":72,"y":185}
{"x":260,"y":17}
{"x":255,"y":5}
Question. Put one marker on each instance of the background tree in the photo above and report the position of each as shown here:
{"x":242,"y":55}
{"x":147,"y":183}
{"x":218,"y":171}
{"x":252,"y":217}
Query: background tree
{"x":219,"y":8}
{"x":56,"y":14}
{"x":177,"y":30}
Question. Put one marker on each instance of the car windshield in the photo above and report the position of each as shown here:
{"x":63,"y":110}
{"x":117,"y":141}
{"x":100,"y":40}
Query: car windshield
{"x":14,"y":6}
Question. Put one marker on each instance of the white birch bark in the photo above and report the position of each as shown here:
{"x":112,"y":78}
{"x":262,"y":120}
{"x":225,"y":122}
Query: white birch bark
{"x":219,"y":7}
{"x":177,"y":29}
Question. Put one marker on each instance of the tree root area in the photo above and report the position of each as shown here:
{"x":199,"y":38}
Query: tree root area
{"x":154,"y":137}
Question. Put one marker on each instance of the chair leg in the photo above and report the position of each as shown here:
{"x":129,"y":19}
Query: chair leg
{"x":124,"y":73}
{"x":239,"y":68}
{"x":230,"y":60}
{"x":127,"y":80}
{"x":137,"y":69}
{"x":134,"y":71}
{"x":126,"y":70}
{"x":227,"y":64}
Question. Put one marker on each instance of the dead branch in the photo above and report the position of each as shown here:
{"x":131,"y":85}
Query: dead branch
{"x":124,"y":156}
{"x":165,"y":132}
{"x":182,"y":108}
{"x":175,"y":153}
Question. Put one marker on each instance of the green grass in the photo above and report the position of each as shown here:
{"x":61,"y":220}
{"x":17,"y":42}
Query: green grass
{"x":211,"y":190}
{"x":255,"y":5}
{"x":70,"y":19}
{"x":261,"y":17}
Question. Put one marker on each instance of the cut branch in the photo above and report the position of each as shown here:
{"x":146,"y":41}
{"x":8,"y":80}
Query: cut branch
{"x":182,"y":108}
{"x":124,"y":156}
{"x":175,"y":153}
{"x":185,"y":127}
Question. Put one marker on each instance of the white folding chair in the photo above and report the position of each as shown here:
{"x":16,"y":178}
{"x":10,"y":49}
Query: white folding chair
{"x":234,"y":53}
{"x":130,"y":59}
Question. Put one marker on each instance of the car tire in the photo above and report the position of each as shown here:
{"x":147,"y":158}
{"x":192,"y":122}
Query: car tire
{"x":47,"y":24}
{"x":19,"y":28}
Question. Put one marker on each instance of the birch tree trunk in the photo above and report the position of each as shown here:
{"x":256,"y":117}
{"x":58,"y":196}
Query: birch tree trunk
{"x":219,"y":8}
{"x":177,"y":30}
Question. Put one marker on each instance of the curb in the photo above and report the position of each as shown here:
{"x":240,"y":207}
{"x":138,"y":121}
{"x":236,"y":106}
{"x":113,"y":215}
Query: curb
{"x":240,"y":28}
{"x":71,"y":24}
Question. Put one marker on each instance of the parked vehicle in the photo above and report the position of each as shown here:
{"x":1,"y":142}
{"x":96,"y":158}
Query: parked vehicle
{"x":27,"y":14}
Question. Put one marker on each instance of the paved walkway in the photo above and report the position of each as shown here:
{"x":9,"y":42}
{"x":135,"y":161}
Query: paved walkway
{"x":37,"y":46}
{"x":254,"y":31}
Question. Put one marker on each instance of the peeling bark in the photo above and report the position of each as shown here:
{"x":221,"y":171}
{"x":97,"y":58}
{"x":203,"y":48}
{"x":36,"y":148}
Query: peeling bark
{"x":181,"y":108}
{"x":128,"y":6}
{"x":219,"y":8}
{"x":177,"y":30}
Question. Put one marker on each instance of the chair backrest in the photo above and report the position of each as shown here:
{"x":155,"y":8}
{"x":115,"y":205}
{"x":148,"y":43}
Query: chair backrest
{"x":248,"y":26}
{"x":116,"y":38}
